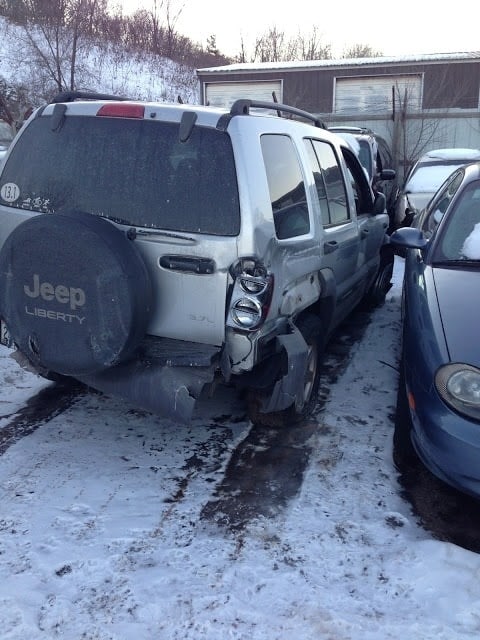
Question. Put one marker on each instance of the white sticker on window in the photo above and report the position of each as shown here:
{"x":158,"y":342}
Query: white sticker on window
{"x":10,"y":192}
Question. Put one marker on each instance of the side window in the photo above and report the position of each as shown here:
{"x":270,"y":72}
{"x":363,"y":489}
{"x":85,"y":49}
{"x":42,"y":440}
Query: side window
{"x":333,"y":181}
{"x":286,"y":186}
{"x":359,"y":182}
{"x":319,"y":182}
{"x":365,"y":156}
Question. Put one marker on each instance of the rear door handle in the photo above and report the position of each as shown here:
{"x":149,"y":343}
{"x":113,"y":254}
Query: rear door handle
{"x":330,"y":247}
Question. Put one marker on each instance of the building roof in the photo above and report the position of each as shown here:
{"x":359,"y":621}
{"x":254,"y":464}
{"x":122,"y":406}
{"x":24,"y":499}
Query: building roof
{"x":248,"y":67}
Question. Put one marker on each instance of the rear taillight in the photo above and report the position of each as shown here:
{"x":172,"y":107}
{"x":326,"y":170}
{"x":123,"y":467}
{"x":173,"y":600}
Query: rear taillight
{"x":251,"y":296}
{"x":122,"y":110}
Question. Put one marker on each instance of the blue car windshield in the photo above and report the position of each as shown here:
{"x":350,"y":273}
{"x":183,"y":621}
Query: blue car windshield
{"x":460,"y":235}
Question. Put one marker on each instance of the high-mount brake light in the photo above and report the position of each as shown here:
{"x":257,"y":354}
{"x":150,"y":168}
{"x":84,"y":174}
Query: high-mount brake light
{"x":122,"y":110}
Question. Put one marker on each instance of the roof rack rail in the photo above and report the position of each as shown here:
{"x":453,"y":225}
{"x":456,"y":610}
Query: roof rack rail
{"x":243,"y":106}
{"x":71,"y":96}
{"x":351,"y":128}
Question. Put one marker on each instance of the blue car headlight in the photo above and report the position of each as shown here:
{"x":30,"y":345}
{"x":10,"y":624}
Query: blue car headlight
{"x":459,"y":386}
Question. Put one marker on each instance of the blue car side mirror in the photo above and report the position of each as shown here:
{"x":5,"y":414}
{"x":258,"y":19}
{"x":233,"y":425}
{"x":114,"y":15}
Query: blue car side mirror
{"x":409,"y":238}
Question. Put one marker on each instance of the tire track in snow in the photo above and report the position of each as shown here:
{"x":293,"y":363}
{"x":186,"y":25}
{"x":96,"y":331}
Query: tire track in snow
{"x":266,"y":470}
{"x":40,"y":408}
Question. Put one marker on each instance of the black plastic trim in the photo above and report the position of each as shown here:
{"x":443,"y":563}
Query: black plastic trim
{"x":71,"y":96}
{"x":242,"y":108}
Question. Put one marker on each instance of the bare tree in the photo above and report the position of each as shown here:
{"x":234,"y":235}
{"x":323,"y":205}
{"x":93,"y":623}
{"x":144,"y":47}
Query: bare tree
{"x":270,"y":47}
{"x":5,"y":112}
{"x":54,"y":33}
{"x":138,"y":32}
{"x":413,"y":131}
{"x":242,"y":55}
{"x":310,"y":47}
{"x":172,"y":15}
{"x":274,"y":46}
{"x":361,"y":51}
{"x":212,"y":45}
{"x":420,"y":117}
{"x":156,"y":39}
{"x":155,"y":30}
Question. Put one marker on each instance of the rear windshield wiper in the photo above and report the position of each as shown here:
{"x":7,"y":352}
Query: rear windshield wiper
{"x":133,"y":232}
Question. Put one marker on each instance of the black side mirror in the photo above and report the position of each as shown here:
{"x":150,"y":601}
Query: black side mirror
{"x":380,"y":203}
{"x":387,"y":174}
{"x":409,"y":238}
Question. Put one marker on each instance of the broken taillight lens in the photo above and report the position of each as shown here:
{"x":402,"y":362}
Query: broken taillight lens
{"x":251,"y":295}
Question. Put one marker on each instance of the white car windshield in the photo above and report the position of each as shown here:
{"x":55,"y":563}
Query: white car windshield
{"x":430,"y":177}
{"x":460,"y":237}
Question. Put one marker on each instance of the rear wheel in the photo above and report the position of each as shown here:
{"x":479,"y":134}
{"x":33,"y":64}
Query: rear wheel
{"x":311,"y":330}
{"x":382,"y":284}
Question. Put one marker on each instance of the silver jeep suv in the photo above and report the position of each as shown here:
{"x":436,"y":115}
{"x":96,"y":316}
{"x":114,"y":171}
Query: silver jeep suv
{"x":150,"y":250}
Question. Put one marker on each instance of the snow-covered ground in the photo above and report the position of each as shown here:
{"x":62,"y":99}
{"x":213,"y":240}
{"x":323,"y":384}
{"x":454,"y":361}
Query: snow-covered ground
{"x":112,"y":523}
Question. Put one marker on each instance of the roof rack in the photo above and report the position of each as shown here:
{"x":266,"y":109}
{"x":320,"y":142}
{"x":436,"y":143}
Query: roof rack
{"x":351,"y":129}
{"x":71,"y":96}
{"x":243,"y":106}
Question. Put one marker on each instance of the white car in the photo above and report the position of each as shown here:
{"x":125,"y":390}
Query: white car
{"x":426,"y":177}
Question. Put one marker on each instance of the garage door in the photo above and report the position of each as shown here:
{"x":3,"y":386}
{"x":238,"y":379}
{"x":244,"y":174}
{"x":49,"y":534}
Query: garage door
{"x":373,"y":94}
{"x":224,"y":94}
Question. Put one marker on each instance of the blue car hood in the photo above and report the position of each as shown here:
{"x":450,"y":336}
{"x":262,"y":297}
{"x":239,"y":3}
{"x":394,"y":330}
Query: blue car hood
{"x":458,"y":297}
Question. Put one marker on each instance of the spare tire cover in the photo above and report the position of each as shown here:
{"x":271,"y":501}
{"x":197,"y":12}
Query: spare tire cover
{"x":74,"y":292}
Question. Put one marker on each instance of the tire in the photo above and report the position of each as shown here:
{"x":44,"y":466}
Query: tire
{"x":382,"y":284}
{"x":80,"y":298}
{"x":311,"y":330}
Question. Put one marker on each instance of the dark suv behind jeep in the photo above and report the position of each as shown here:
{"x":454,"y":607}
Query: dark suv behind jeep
{"x":375,"y":156}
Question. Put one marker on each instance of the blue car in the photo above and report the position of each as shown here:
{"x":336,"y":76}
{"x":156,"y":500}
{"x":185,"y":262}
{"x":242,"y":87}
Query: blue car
{"x":440,"y":365}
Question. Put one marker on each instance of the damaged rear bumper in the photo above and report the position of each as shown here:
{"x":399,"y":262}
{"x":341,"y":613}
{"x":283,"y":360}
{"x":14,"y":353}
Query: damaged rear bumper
{"x":167,"y":379}
{"x":168,"y":391}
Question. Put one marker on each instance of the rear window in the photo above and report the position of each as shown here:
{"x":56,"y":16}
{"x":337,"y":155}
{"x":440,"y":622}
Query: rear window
{"x":134,"y":172}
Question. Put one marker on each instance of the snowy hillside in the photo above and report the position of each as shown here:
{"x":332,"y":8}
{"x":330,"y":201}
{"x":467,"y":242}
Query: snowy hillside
{"x":107,"y":69}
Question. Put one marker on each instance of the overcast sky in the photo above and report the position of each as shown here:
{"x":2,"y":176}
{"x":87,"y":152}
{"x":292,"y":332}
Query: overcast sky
{"x":414,"y":28}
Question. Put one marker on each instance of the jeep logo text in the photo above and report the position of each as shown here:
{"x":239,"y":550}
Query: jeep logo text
{"x":74,"y":296}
